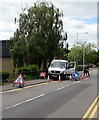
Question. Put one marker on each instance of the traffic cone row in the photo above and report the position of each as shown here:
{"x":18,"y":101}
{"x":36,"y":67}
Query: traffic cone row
{"x":48,"y":79}
{"x":84,"y":76}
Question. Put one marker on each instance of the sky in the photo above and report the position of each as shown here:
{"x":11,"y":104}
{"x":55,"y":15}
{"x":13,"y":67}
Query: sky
{"x":80,"y":17}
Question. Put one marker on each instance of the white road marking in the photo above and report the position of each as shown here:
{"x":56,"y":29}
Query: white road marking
{"x":74,"y":83}
{"x":67,"y":85}
{"x":60,"y":88}
{"x":26,"y":101}
{"x":77,"y":81}
{"x":63,"y":87}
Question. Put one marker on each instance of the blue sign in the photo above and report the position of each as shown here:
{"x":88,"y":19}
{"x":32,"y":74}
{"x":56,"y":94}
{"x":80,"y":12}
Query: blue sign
{"x":75,"y":75}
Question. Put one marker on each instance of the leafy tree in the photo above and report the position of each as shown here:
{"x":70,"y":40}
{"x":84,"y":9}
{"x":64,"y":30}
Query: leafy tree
{"x":64,"y":47}
{"x":80,"y":49}
{"x":37,"y":38}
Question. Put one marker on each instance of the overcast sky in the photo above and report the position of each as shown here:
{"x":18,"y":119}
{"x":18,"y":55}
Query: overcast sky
{"x":79,"y":17}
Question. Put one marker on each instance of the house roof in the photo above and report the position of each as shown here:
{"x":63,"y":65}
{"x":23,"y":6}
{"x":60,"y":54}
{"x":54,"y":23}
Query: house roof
{"x":4,"y":51}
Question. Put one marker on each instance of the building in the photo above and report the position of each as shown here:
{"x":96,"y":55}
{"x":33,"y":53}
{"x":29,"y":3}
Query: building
{"x":5,"y":58}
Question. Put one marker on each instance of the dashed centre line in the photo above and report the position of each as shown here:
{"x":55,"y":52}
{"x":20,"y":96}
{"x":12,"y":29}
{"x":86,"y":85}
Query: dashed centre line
{"x":60,"y":88}
{"x":39,"y":95}
{"x":26,"y":101}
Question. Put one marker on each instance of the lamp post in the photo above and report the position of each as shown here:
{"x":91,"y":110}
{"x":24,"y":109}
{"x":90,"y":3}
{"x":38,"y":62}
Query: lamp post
{"x":83,"y":49}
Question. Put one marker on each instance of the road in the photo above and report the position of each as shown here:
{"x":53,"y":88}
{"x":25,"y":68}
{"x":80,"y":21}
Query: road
{"x":66,"y":99}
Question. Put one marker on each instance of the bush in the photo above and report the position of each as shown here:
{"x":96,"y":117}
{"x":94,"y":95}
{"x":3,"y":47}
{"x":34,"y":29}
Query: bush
{"x":4,"y":75}
{"x":24,"y":69}
{"x":97,"y":65}
{"x":30,"y":72}
{"x":26,"y":77}
{"x":28,"y":68}
{"x":79,"y":68}
{"x":33,"y":67}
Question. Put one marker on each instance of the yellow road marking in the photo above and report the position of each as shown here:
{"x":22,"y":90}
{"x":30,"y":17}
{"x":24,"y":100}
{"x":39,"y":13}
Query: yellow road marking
{"x":11,"y":90}
{"x":90,"y":108}
{"x":35,"y":85}
{"x":23,"y":88}
{"x":93,"y":112}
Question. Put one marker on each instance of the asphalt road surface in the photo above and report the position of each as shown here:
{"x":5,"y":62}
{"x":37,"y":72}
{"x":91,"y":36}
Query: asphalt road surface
{"x":66,"y":99}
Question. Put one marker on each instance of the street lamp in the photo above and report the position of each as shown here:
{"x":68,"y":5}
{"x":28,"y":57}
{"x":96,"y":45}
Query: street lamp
{"x":83,"y":49}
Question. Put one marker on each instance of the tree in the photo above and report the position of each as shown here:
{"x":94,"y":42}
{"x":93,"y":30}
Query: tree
{"x":64,"y":47}
{"x":37,"y":38}
{"x":80,"y":49}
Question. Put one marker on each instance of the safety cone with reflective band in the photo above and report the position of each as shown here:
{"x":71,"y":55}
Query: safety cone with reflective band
{"x":82,"y":76}
{"x":59,"y":78}
{"x":86,"y":75}
{"x":70,"y":78}
{"x":48,"y":80}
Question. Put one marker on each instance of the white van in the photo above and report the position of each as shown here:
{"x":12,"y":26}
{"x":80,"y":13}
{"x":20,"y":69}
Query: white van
{"x":62,"y":68}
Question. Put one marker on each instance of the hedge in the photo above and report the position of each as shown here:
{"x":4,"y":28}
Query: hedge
{"x":97,"y":65}
{"x":79,"y":68}
{"x":28,"y":68}
{"x":4,"y":75}
{"x":26,"y":73}
{"x":32,"y":75}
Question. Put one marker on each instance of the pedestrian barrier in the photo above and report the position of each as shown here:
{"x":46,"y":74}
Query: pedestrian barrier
{"x":42,"y":75}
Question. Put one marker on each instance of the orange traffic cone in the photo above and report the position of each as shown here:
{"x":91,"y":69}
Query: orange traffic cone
{"x":48,"y":80}
{"x":70,"y":78}
{"x":86,"y":75}
{"x":83,"y":77}
{"x":59,"y":78}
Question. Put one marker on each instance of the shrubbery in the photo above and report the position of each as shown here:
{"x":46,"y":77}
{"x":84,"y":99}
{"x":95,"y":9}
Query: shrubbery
{"x":29,"y":72}
{"x":79,"y":68}
{"x":28,"y":68}
{"x":24,"y":69}
{"x":33,"y":67}
{"x":4,"y":75}
{"x":97,"y":65}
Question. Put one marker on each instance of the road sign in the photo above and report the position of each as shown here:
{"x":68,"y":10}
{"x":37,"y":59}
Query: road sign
{"x":42,"y":74}
{"x":75,"y":75}
{"x":19,"y":80}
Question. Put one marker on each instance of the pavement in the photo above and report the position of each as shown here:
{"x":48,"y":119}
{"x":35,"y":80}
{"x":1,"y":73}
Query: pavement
{"x":27,"y":83}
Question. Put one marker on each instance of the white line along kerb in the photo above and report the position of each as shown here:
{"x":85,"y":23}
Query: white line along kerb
{"x":26,"y":101}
